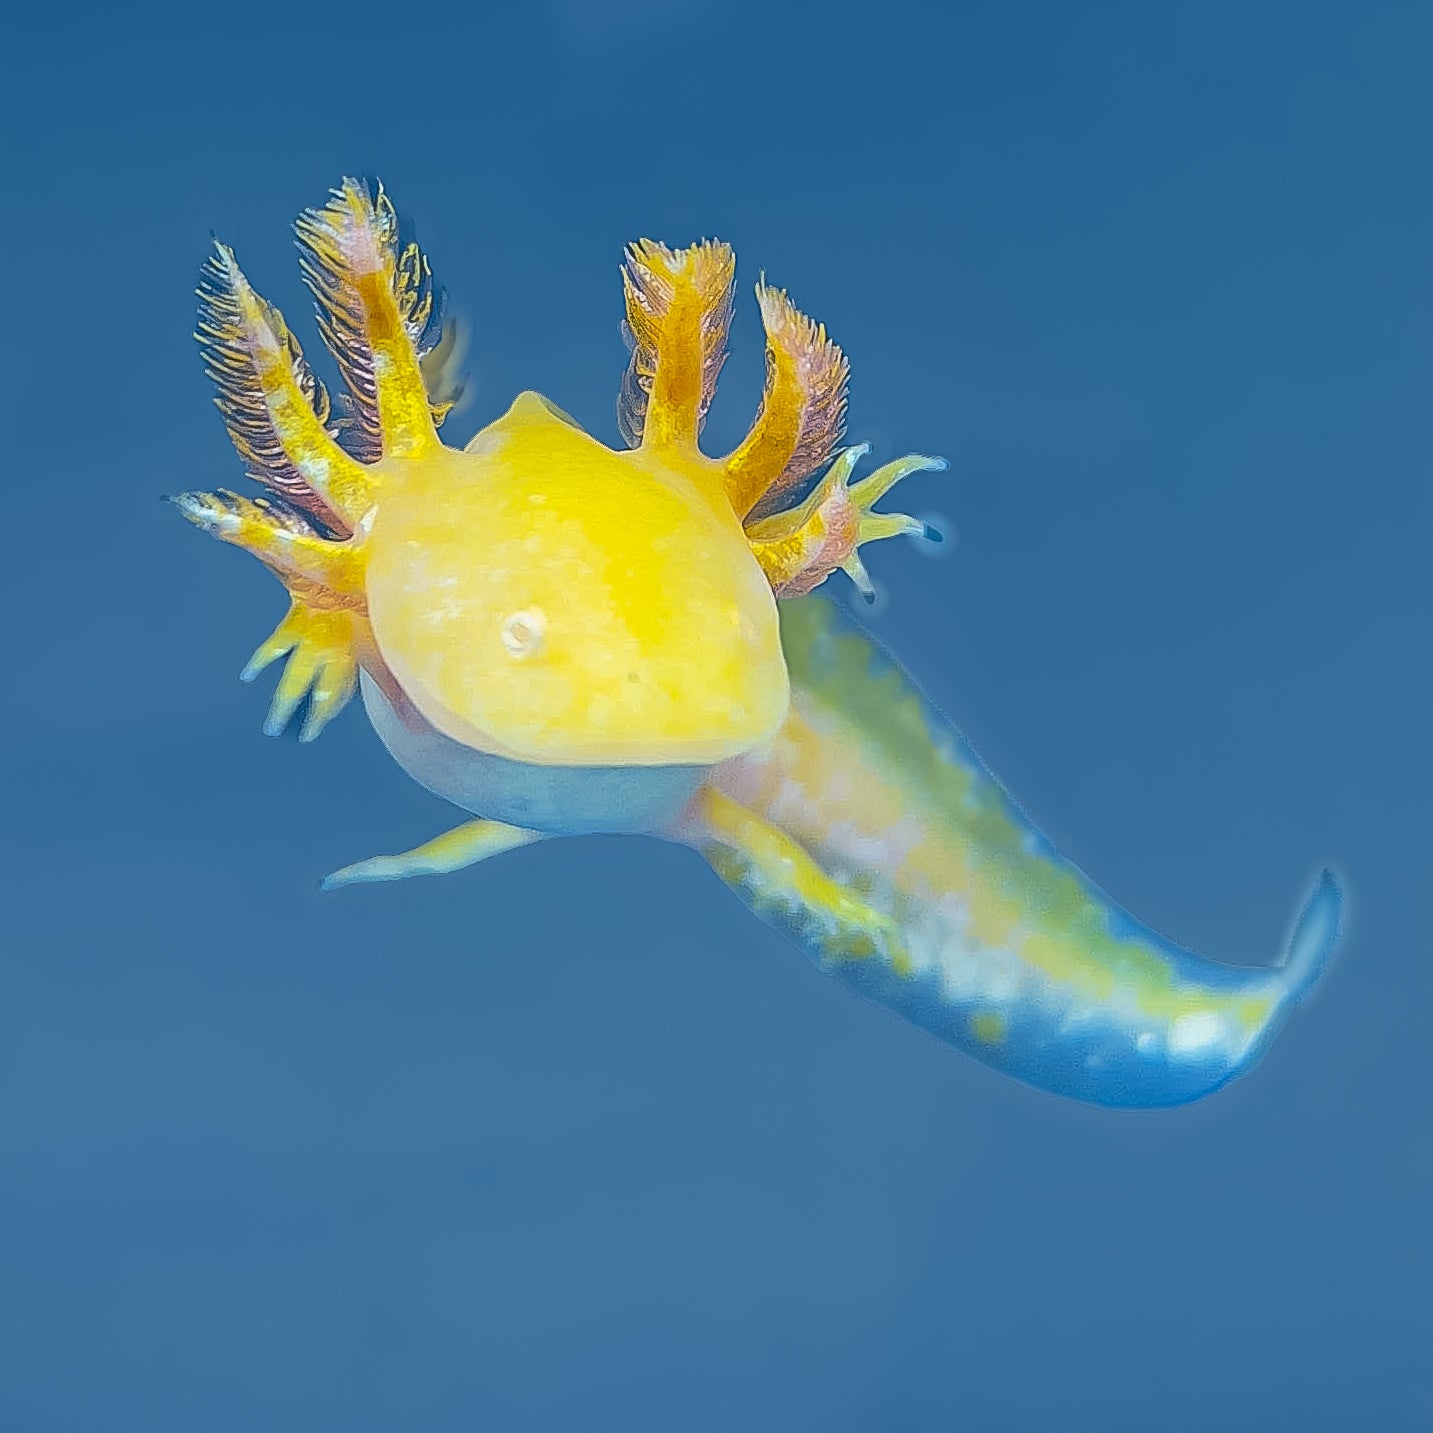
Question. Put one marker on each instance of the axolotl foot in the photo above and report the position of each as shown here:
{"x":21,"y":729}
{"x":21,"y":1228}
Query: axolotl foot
{"x":322,"y":665}
{"x":797,"y":549}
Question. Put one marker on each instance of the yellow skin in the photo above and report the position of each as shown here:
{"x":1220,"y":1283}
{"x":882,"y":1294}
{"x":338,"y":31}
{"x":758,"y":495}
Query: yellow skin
{"x":559,"y":637}
{"x":536,"y":597}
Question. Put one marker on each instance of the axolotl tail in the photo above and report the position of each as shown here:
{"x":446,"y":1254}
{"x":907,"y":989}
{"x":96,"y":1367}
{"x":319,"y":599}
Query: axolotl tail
{"x":986,"y":936}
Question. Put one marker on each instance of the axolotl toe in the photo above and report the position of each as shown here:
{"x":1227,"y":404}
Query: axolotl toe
{"x":561,"y":637}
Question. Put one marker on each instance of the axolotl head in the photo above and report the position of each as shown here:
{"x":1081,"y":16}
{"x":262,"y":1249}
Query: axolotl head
{"x":536,"y":597}
{"x":543,"y":597}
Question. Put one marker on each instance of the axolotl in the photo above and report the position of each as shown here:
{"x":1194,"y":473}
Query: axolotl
{"x":561,"y":637}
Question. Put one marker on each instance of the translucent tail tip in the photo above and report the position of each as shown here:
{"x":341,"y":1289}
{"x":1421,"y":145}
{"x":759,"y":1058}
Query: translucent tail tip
{"x":1315,"y":936}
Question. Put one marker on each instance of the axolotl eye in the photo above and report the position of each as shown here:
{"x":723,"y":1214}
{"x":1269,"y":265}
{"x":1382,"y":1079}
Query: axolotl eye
{"x":523,"y":632}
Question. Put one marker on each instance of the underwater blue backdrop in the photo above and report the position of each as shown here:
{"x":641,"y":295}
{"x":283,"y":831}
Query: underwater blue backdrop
{"x":570,"y":1141}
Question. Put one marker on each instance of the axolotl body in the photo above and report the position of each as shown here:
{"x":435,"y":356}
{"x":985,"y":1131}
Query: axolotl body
{"x":560,"y":637}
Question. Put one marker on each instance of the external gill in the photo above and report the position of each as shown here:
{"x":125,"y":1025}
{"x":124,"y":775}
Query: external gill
{"x":798,"y":549}
{"x":274,"y":406}
{"x":678,"y":313}
{"x":380,"y":317}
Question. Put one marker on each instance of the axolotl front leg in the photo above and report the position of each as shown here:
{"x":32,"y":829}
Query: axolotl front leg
{"x":463,"y":846}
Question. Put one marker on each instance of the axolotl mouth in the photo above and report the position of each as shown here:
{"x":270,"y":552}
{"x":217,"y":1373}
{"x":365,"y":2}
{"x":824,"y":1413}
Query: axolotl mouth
{"x":568,"y":800}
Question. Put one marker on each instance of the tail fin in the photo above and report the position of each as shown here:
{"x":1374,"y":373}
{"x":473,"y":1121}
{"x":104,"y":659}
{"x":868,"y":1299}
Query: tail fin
{"x":1315,"y":935}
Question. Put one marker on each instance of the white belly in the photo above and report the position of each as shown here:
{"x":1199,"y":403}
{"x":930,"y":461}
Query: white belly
{"x":561,"y":800}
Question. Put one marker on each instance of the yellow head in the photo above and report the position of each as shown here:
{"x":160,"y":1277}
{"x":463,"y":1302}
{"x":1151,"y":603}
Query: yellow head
{"x":543,"y":597}
{"x":536,"y":595}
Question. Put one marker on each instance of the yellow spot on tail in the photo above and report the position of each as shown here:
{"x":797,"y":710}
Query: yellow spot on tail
{"x":993,"y":916}
{"x":988,"y":1027}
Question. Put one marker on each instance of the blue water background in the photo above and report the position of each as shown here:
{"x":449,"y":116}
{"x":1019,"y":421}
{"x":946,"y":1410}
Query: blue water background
{"x":569,"y":1142}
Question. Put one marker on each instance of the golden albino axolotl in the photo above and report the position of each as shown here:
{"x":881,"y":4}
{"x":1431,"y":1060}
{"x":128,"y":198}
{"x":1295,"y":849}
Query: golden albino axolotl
{"x":561,"y":637}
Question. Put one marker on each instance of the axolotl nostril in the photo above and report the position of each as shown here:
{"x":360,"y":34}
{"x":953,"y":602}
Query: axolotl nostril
{"x":562,"y":637}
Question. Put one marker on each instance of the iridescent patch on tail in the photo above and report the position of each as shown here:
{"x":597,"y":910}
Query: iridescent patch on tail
{"x":986,"y":936}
